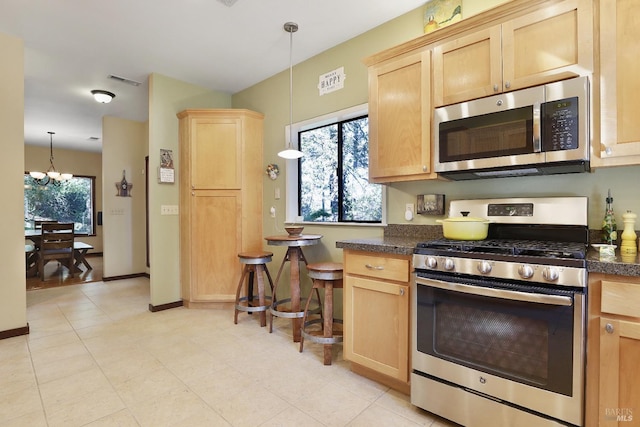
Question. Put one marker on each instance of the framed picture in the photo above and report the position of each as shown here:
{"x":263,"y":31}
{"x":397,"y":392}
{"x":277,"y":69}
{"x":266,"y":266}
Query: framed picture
{"x":430,"y":204}
{"x":440,"y":13}
{"x":166,"y":173}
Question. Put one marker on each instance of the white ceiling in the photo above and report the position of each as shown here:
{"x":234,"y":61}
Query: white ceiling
{"x":72,"y":46}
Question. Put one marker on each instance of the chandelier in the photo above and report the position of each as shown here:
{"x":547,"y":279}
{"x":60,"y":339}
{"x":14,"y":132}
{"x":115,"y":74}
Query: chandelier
{"x":52,"y":175}
{"x":290,"y":152}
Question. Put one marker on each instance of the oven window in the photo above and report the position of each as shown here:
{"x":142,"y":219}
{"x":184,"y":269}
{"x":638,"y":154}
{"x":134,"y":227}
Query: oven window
{"x":504,"y":133}
{"x":531,"y":343}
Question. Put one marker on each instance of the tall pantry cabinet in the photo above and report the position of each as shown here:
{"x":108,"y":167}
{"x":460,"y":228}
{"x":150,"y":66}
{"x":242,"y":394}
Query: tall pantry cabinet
{"x":220,"y":200}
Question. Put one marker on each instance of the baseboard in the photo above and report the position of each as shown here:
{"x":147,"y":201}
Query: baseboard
{"x":14,"y":332}
{"x":401,"y":386}
{"x":154,"y":308}
{"x":125,"y":276}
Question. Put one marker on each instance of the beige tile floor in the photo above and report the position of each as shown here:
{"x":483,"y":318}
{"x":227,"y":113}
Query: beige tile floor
{"x":97,"y":357}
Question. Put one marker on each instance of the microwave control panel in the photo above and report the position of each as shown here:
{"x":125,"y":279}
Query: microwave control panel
{"x":560,"y":119}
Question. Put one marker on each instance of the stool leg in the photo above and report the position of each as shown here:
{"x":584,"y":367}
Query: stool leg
{"x":304,"y":318}
{"x":275,"y":287}
{"x":235,"y":314}
{"x":258,"y":274}
{"x":328,"y":319}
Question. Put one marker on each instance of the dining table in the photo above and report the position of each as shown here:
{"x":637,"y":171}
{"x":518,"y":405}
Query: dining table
{"x":80,"y":250}
{"x":293,"y":256}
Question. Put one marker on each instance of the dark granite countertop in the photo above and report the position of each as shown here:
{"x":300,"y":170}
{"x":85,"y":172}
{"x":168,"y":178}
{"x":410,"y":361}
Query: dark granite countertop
{"x":402,"y":239}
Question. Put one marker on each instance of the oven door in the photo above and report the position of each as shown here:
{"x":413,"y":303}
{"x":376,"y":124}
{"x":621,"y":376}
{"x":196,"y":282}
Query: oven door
{"x":502,"y":341}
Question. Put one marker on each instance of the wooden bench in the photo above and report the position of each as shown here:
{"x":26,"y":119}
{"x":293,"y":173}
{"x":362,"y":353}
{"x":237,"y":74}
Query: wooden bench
{"x":80,"y":250}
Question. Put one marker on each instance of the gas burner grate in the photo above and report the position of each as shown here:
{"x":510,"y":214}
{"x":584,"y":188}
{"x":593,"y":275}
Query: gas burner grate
{"x":546,"y":249}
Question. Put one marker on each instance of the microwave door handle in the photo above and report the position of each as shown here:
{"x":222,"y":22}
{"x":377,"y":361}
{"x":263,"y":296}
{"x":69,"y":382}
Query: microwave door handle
{"x":501,"y":293}
{"x":537,"y":145}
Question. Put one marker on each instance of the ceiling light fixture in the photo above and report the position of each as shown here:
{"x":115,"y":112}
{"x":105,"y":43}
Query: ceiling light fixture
{"x":52,"y":175}
{"x":290,"y":152}
{"x":103,"y":96}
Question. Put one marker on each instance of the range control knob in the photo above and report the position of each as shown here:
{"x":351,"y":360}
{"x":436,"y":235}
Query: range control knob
{"x":550,"y":274}
{"x":525,"y":271}
{"x":432,"y":262}
{"x":484,"y":267}
{"x":448,"y":264}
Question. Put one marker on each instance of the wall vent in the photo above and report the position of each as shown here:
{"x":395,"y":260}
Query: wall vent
{"x":124,"y":80}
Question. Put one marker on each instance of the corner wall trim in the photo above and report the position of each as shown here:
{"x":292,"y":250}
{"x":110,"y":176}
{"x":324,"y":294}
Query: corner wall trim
{"x":14,"y":332}
{"x":154,"y":308}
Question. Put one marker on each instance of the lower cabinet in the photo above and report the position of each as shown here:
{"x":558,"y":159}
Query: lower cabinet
{"x":613,"y":388}
{"x":376,"y":316}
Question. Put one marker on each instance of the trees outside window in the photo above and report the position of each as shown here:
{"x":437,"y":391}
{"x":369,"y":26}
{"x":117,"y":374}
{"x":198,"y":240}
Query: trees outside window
{"x":333,"y":174}
{"x":71,"y":201}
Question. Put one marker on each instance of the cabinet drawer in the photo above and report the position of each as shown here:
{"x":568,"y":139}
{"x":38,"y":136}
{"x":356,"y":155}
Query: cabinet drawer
{"x":620,"y":298}
{"x":378,"y":266}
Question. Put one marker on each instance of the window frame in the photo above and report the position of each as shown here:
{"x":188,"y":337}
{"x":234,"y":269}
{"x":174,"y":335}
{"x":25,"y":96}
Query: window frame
{"x":293,"y":173}
{"x":94,"y":213}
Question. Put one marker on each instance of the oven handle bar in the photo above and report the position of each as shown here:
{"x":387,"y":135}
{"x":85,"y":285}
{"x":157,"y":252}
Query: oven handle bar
{"x":500,"y":293}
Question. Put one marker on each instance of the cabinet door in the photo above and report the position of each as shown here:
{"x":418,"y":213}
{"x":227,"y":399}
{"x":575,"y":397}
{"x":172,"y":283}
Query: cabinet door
{"x":216,"y":145}
{"x":467,"y":67}
{"x":620,"y":86}
{"x":376,"y":321}
{"x":215,"y":242}
{"x":400,"y":119}
{"x":619,"y":387}
{"x":550,"y":44}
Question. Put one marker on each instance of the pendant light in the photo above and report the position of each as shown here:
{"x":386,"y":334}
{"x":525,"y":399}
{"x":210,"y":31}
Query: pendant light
{"x":290,"y":152}
{"x":52,"y":175}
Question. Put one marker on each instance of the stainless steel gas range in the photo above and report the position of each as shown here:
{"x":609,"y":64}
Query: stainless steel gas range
{"x":499,"y":324}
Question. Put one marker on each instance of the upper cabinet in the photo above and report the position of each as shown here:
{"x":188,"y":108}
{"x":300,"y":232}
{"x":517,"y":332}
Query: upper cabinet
{"x":552,"y":43}
{"x":619,"y":85}
{"x":400,"y":118}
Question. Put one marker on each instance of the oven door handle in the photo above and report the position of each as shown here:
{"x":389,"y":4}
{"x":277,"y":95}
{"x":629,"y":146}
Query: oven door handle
{"x":501,"y":293}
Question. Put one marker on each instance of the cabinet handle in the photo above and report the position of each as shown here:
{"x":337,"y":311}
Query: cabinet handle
{"x":401,"y":292}
{"x":372,"y":267}
{"x":495,"y":88}
{"x":193,"y":193}
{"x":507,"y":85}
{"x":609,"y":328}
{"x":424,"y":168}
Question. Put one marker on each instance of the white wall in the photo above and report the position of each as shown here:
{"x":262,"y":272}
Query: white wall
{"x":167,"y":97}
{"x":124,"y":146}
{"x":13,"y":306}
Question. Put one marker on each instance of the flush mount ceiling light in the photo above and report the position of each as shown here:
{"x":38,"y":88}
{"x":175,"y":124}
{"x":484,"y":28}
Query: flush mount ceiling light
{"x":290,"y":152}
{"x":52,"y":175}
{"x":102,"y":96}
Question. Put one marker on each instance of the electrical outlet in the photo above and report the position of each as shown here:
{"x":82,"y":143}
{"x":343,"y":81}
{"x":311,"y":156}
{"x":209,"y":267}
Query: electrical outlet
{"x":273,"y":211}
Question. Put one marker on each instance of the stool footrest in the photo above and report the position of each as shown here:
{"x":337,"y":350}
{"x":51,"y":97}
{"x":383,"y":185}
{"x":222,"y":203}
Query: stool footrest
{"x":336,"y":338}
{"x":253,"y":308}
{"x":289,"y":314}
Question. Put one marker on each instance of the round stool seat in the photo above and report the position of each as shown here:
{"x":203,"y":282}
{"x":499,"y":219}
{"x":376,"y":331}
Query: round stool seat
{"x":255,"y":257}
{"x":325,"y":271}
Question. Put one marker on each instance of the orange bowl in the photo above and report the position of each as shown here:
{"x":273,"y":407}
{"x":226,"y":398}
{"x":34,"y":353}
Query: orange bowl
{"x":294,"y":231}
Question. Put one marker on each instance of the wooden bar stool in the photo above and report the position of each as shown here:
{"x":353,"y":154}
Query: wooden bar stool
{"x":255,"y":264}
{"x":327,"y":276}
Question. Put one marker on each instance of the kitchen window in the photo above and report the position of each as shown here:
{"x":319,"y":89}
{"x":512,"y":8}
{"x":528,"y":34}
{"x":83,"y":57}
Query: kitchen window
{"x":71,"y":201}
{"x":332,"y":177}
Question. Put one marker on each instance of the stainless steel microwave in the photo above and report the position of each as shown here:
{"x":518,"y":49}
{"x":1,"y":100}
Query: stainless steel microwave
{"x":540,"y":130}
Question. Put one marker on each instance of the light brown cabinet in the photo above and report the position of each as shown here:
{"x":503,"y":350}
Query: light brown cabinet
{"x":613,"y":389}
{"x":376,"y":316}
{"x":400,"y":118}
{"x":549,"y":44}
{"x":618,"y":83}
{"x":220,"y":200}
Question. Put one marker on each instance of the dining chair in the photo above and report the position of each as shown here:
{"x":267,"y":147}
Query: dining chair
{"x":56,"y":244}
{"x":38,"y":223}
